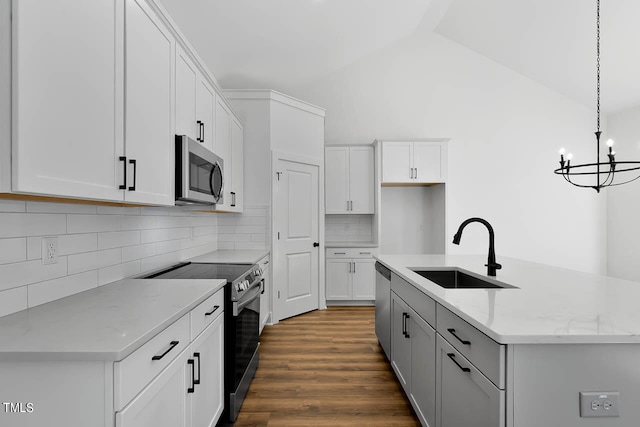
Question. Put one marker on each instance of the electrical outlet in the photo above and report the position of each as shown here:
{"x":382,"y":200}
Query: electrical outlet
{"x":49,"y":250}
{"x":599,"y":404}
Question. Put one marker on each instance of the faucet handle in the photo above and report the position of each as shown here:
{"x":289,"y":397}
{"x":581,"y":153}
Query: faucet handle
{"x":494,"y":265}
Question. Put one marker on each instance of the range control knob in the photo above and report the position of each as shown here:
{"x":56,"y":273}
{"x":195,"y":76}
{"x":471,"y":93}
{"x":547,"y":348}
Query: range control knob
{"x":245,"y":284}
{"x":258,"y":271}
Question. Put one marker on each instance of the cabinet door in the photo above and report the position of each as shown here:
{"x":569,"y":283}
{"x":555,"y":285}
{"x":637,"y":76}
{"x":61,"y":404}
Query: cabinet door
{"x":237,"y":166}
{"x":397,"y":162}
{"x":464,"y":397}
{"x":222,"y":147}
{"x":427,"y":162}
{"x":361,"y":180}
{"x":364,"y":279}
{"x":186,"y":82}
{"x":336,"y":178}
{"x":207,"y":400}
{"x":67,"y":86}
{"x":265,"y":299}
{"x":163,"y":403}
{"x":338,"y":277}
{"x":423,"y":369}
{"x":149,"y":128}
{"x":205,"y":112}
{"x":400,"y":342}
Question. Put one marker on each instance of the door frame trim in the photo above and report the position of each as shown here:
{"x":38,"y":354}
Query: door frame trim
{"x":308,"y":160}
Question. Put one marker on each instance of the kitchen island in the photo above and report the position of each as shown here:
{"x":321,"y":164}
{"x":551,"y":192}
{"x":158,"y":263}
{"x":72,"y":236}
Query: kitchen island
{"x":524,"y":355}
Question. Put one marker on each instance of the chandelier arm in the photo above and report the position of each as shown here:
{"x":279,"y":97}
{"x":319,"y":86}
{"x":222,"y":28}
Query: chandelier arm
{"x":624,"y":182}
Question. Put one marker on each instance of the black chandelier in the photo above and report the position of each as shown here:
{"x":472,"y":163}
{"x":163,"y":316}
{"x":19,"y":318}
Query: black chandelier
{"x":604,"y":172}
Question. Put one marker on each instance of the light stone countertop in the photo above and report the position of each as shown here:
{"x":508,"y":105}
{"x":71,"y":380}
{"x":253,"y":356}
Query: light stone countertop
{"x":237,"y":256}
{"x":107,"y":323}
{"x":551,"y":305}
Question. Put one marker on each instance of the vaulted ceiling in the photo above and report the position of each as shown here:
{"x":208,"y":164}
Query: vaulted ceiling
{"x":284,"y":43}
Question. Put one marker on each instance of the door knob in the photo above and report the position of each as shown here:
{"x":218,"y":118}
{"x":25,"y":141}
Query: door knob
{"x":316,"y":244}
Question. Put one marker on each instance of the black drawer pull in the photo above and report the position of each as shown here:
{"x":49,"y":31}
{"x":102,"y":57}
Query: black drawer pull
{"x":213,"y":310}
{"x":172,"y":345}
{"x":193,"y":376}
{"x":135,"y":174}
{"x":453,"y":358}
{"x":406,"y":328}
{"x":453,"y":332}
{"x":197,"y":381}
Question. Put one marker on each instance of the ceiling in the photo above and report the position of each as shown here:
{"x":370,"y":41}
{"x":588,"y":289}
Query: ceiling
{"x":284,"y":43}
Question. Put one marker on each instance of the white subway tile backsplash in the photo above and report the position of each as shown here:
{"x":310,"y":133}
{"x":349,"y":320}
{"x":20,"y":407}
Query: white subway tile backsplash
{"x":43,"y":292}
{"x":44,"y":207}
{"x":118,"y":239}
{"x":118,"y":272}
{"x":131,"y":222}
{"x":131,"y":253}
{"x":12,"y":205}
{"x":118,"y":210}
{"x":349,"y":228}
{"x":25,"y":273}
{"x":13,"y":250}
{"x":13,"y":300}
{"x":94,"y":260}
{"x":92,"y":223}
{"x":22,"y":225}
{"x":68,"y":244}
{"x":162,"y":234}
{"x":159,"y":261}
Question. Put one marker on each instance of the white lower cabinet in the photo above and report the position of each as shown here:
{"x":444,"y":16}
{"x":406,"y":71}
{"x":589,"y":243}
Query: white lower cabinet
{"x":163,"y":403}
{"x":265,"y":298}
{"x":350,"y":275}
{"x":464,"y":396}
{"x":207,"y":401}
{"x":413,"y":358}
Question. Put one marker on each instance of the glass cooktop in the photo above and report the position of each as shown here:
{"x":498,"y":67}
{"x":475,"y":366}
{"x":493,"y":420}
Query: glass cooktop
{"x":229,"y":272}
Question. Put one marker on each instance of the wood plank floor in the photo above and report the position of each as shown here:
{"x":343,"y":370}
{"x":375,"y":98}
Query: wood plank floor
{"x":325,"y":368}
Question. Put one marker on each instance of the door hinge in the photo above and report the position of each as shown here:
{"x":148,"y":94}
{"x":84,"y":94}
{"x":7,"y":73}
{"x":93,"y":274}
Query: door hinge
{"x":278,"y":294}
{"x":278,"y":173}
{"x":278,"y":235}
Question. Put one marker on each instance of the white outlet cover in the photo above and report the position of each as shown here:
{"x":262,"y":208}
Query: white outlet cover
{"x":49,"y":250}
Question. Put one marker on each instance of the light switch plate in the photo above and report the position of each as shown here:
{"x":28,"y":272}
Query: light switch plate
{"x":599,"y":404}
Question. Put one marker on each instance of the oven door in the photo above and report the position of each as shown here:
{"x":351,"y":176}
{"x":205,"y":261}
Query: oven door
{"x":247,"y":332}
{"x":199,"y":173}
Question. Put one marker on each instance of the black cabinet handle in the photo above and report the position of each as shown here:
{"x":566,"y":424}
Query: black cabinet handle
{"x":135,"y":173}
{"x":197,"y":381}
{"x":123,"y":186}
{"x":262,"y":281}
{"x":316,"y":244}
{"x":213,"y":310}
{"x":193,"y":376}
{"x":453,"y":332}
{"x":453,"y":358}
{"x":233,"y":199}
{"x":406,"y":328}
{"x":172,"y":345}
{"x":203,"y":132}
{"x":404,"y":324}
{"x":200,"y":138}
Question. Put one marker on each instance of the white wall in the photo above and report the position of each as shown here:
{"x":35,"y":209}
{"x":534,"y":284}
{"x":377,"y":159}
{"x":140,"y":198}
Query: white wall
{"x":623,"y":216}
{"x":97,"y":245}
{"x":505,"y":134}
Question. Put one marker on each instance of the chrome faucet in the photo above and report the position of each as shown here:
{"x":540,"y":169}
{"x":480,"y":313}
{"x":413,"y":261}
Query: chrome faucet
{"x":491,"y":264}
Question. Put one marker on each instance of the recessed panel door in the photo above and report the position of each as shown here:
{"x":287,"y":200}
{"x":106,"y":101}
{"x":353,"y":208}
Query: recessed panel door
{"x":296,"y":195}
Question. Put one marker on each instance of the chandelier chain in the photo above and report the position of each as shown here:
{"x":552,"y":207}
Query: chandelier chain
{"x":598,"y":59}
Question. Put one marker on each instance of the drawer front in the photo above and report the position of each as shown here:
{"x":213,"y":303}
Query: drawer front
{"x":205,"y":313}
{"x":351,"y":252}
{"x":486,"y":354}
{"x":134,"y":372}
{"x":422,"y":304}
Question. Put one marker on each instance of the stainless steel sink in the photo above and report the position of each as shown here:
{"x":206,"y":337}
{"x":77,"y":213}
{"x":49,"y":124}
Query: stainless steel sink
{"x":455,"y":279}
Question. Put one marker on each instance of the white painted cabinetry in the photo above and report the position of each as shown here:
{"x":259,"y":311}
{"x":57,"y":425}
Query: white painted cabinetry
{"x":149,"y":106}
{"x":265,"y":298}
{"x":350,"y":275}
{"x":67,"y":83}
{"x":349,"y":180}
{"x":237,"y":166}
{"x":414,"y":162}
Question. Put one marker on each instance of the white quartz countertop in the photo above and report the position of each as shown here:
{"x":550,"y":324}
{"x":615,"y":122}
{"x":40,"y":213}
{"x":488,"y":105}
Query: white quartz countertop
{"x":107,"y":323}
{"x":238,"y":256}
{"x":550,"y":305}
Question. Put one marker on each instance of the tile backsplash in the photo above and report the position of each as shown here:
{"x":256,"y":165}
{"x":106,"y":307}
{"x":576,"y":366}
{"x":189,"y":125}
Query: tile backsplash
{"x":349,"y":228}
{"x":100,"y":244}
{"x":249,"y":230}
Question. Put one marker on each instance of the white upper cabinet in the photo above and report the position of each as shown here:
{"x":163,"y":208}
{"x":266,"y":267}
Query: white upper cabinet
{"x":237,"y":166}
{"x":222,"y":147}
{"x":186,"y":84}
{"x":205,"y":113}
{"x":417,"y":162}
{"x":149,"y":126}
{"x":67,"y":98}
{"x":349,"y":180}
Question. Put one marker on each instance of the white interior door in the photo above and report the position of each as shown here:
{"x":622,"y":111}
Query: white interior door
{"x":296,"y":229}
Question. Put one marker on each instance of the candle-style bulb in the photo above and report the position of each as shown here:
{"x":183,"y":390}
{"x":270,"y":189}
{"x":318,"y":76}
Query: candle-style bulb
{"x":569,"y":156}
{"x":562,"y":151}
{"x":609,"y":142}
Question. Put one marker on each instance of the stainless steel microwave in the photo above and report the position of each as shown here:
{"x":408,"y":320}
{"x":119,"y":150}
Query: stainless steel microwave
{"x":199,"y":173}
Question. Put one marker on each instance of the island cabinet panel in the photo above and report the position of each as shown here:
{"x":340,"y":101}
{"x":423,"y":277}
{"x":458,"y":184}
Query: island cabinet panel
{"x":551,"y":376}
{"x":421,"y":303}
{"x":400,"y":345}
{"x":464,"y":396}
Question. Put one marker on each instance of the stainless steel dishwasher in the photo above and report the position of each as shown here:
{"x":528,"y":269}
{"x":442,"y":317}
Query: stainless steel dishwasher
{"x":383,"y":307}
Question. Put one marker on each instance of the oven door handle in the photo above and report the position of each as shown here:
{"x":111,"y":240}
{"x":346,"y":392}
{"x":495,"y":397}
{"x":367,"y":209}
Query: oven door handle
{"x":238,"y":306}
